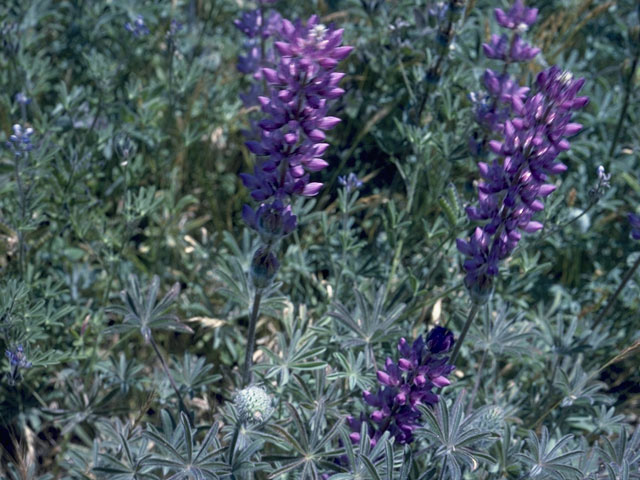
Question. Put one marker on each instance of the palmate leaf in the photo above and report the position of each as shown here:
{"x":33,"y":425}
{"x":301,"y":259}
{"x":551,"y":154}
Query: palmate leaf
{"x":294,"y":355}
{"x":369,"y":323}
{"x":501,"y":335}
{"x":622,"y":458}
{"x":182,"y":454}
{"x":193,"y":374}
{"x":146,"y":313}
{"x":133,"y":464}
{"x":548,"y":459}
{"x":311,"y":444}
{"x":455,"y":435}
{"x":578,"y":386}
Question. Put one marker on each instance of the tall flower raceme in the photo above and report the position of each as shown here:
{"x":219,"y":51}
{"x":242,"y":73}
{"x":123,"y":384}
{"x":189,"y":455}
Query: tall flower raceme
{"x":292,"y":139}
{"x":502,"y":90}
{"x":422,"y":367}
{"x":516,"y":181}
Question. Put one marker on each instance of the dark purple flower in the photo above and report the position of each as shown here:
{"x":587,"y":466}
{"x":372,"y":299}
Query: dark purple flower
{"x":250,"y":23}
{"x":272,"y":221}
{"x":634,"y":220}
{"x":405,"y":384}
{"x":440,"y":340}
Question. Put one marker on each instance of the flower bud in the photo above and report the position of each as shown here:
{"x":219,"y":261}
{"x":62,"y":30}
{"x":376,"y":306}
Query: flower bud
{"x":264,"y":267}
{"x":254,"y":405}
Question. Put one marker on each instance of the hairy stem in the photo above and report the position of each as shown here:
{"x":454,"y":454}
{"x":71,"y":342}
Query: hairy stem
{"x":473,"y":312}
{"x":169,"y":376}
{"x":411,"y":189}
{"x":625,"y":104}
{"x":476,"y":384}
{"x":612,"y":300}
{"x":22,"y":201}
{"x":251,"y":339}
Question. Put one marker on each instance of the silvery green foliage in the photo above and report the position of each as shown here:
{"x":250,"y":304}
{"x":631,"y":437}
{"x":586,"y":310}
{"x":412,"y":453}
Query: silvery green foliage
{"x":144,"y":312}
{"x":123,"y":178}
{"x":550,"y":458}
{"x":456,"y":436}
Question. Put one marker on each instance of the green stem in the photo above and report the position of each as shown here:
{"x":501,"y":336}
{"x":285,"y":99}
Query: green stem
{"x":398,"y":252}
{"x":476,"y":384}
{"x":472,"y":315}
{"x":612,"y":300}
{"x":251,"y":339}
{"x":625,"y":105}
{"x":169,"y":376}
{"x":22,"y":200}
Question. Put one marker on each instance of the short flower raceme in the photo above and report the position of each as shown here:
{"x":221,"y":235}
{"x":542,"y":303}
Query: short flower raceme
{"x":20,"y":141}
{"x":422,"y":367}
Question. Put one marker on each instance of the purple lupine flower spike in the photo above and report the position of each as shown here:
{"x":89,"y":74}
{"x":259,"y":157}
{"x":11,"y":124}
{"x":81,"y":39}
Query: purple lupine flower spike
{"x":299,"y":75}
{"x":422,"y":367}
{"x":513,"y":186}
{"x":302,"y":83}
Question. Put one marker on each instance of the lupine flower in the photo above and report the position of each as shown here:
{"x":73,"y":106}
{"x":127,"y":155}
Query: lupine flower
{"x":22,"y":99}
{"x":138,"y":28}
{"x":518,"y":17}
{"x":250,"y":23}
{"x":17,"y":361}
{"x":174,"y":28}
{"x":421,"y":368}
{"x":293,"y":132}
{"x":272,"y":221}
{"x":514,"y":184}
{"x":350,"y":183}
{"x":17,"y":357}
{"x":634,"y":220}
{"x":20,"y":141}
